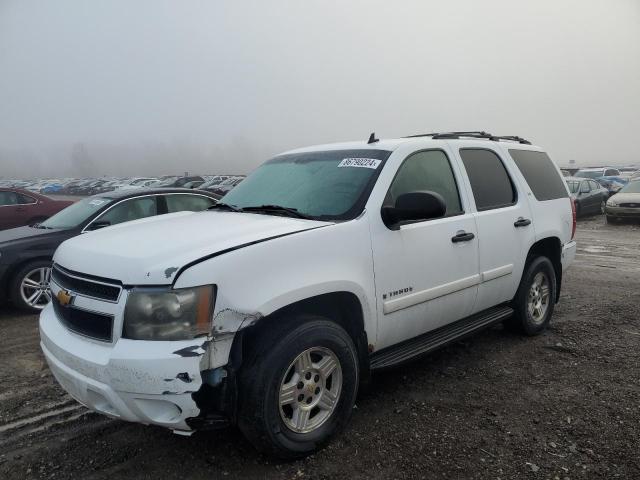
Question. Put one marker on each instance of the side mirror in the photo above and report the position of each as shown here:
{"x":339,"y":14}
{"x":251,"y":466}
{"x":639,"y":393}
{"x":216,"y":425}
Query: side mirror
{"x":98,"y":225}
{"x":412,"y":207}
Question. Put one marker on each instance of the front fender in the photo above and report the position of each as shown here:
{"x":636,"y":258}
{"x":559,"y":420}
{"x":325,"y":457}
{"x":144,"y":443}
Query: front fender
{"x":257,"y":280}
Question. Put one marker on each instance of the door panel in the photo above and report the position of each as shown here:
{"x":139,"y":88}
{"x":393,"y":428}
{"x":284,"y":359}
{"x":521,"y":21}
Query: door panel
{"x":502,"y":246}
{"x":424,"y":280}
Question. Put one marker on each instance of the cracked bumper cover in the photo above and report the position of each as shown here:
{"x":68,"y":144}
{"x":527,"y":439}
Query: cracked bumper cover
{"x":150,"y":382}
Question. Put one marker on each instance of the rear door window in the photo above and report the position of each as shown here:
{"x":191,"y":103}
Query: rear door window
{"x":25,"y":199}
{"x":185,"y":202}
{"x":490,"y":182}
{"x":540,"y":173}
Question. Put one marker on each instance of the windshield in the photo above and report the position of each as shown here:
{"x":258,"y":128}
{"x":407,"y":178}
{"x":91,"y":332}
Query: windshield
{"x":573,"y":186}
{"x":331,"y":185}
{"x":631,"y":187}
{"x":76,"y":214}
{"x":589,"y":173}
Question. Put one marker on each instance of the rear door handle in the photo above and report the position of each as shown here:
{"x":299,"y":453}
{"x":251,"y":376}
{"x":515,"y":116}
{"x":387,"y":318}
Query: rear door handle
{"x":463,"y":237}
{"x":522,"y":222}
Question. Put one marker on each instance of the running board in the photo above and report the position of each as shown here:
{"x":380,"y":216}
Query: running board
{"x":437,"y":338}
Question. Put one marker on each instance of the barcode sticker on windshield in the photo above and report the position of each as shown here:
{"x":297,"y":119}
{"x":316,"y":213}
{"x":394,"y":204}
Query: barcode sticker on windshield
{"x":360,"y":162}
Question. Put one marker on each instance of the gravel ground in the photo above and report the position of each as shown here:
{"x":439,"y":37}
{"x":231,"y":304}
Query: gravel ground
{"x":562,"y":405}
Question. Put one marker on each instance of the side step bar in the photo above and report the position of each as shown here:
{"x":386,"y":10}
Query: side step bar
{"x":437,"y":338}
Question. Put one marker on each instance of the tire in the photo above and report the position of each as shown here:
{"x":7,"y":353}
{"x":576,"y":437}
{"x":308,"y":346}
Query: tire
{"x":39,"y":272}
{"x":609,"y":218}
{"x":524,"y":320}
{"x":270,"y":368}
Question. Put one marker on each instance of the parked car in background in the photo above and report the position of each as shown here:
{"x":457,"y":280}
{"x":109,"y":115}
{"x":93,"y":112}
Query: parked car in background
{"x":25,"y":263}
{"x":226,"y":186}
{"x":21,"y":207}
{"x":54,"y":187}
{"x":625,"y":204}
{"x":174,"y":182}
{"x":590,"y":197}
{"x":612,"y":184}
{"x":597,"y":172}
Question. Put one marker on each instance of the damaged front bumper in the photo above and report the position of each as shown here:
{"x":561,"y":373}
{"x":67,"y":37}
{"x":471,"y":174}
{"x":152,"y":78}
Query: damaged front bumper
{"x":181,"y":385}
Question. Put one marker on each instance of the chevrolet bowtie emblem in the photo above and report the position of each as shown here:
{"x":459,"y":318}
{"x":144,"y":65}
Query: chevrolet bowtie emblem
{"x":64,"y":297}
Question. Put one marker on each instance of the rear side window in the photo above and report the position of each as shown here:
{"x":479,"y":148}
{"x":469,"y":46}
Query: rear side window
{"x":192,"y":203}
{"x":490,"y":182}
{"x":25,"y":199}
{"x":540,"y":173}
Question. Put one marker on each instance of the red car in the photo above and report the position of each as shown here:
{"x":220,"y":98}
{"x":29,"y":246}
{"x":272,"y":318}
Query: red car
{"x":21,"y":207}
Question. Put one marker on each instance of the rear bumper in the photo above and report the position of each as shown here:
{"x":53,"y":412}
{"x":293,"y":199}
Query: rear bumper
{"x":568,"y":254}
{"x":137,"y":381}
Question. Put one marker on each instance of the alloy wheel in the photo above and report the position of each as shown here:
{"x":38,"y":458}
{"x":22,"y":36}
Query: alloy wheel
{"x":34,"y":288}
{"x":310,"y":389}
{"x":538,"y":299}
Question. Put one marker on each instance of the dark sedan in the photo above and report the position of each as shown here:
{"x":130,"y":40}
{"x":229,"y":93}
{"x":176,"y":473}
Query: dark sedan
{"x":589,"y":195}
{"x":22,"y":207}
{"x":26,"y":252}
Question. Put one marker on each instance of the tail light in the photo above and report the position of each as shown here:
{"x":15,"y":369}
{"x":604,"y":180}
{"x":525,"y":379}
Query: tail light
{"x":573,"y":214}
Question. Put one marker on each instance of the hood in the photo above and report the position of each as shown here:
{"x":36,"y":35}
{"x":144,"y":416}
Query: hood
{"x":151,"y":251}
{"x":626,"y":197}
{"x":15,"y":235}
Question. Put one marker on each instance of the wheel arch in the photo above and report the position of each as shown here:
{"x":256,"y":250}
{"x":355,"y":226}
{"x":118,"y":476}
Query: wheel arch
{"x":341,"y":307}
{"x":550,"y":247}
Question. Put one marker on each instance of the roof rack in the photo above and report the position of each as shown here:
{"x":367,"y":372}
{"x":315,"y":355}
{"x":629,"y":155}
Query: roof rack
{"x":474,"y":134}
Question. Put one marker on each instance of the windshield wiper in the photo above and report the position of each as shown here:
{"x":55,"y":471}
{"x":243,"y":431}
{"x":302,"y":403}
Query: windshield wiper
{"x":225,"y":206}
{"x":292,"y":212}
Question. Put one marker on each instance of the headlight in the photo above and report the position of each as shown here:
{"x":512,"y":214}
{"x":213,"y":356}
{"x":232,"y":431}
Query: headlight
{"x":612,"y":203}
{"x":164,"y":314}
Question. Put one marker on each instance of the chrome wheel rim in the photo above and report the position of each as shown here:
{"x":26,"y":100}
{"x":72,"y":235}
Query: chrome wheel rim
{"x":538,"y":301}
{"x":310,"y":390}
{"x":34,"y":288}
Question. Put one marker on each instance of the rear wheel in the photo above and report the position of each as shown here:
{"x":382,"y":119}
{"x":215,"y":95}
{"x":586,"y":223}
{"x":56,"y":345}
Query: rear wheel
{"x":30,"y":286}
{"x":298,"y":388}
{"x":535,"y":298}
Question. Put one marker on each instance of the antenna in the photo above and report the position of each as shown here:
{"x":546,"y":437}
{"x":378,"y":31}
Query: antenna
{"x":372,"y":138}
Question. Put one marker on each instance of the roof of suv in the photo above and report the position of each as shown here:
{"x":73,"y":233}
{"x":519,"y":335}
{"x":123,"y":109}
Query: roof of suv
{"x":435,"y":139}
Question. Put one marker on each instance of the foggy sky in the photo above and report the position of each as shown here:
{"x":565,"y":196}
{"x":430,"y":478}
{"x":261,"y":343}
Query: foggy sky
{"x":153,"y":87}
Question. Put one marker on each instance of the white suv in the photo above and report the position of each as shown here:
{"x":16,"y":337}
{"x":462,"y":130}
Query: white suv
{"x":325,"y":264}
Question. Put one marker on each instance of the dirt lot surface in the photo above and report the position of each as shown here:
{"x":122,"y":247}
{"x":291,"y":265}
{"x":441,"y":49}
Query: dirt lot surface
{"x":562,"y":405}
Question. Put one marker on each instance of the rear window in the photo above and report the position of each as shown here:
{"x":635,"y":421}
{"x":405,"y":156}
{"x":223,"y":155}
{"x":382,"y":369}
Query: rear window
{"x":490,"y":182}
{"x":540,"y":174}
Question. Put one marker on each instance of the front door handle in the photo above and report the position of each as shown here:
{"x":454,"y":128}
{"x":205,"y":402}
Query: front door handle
{"x":522,"y":222}
{"x":463,"y":237}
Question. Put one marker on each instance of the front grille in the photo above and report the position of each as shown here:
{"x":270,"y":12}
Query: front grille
{"x":89,"y":324}
{"x":85,"y":287}
{"x":630,"y":205}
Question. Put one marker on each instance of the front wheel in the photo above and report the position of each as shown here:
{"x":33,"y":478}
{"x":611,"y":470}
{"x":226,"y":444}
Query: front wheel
{"x":298,"y":388}
{"x":30,"y":286}
{"x":535,"y":298}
